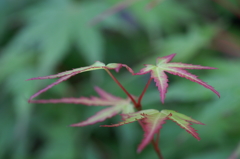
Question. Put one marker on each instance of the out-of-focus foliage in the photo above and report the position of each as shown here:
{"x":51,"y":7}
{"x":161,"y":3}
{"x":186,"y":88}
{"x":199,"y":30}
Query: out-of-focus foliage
{"x":43,"y":37}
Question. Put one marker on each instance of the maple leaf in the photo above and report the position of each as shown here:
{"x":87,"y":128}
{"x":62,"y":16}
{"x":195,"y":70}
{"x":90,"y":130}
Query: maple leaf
{"x":158,"y":73}
{"x":152,"y":120}
{"x":116,"y":104}
{"x":67,"y":74}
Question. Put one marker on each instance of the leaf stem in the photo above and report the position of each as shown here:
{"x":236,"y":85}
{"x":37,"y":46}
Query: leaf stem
{"x":120,"y":85}
{"x":158,"y":150}
{"x":139,"y":107}
{"x":155,"y":145}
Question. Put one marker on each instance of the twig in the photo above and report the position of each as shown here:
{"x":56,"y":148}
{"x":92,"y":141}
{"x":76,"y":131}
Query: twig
{"x":143,"y":92}
{"x":120,"y":85}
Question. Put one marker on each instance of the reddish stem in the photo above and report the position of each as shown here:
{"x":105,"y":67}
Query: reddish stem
{"x":158,"y":136}
{"x":120,"y":85}
{"x":155,"y":145}
{"x":139,"y":107}
{"x":144,"y":90}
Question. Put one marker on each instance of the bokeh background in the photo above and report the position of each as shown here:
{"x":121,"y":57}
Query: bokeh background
{"x":43,"y":37}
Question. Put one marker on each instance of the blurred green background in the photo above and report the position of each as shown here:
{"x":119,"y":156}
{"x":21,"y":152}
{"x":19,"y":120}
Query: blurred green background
{"x":43,"y":37}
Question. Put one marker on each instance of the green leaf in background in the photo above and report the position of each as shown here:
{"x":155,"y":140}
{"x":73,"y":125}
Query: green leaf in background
{"x":188,"y":44}
{"x":159,"y":18}
{"x":63,"y":25}
{"x":52,"y":28}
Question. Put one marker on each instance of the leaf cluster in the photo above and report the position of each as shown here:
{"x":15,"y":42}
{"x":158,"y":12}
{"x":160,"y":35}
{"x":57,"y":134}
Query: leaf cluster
{"x":151,"y":120}
{"x":201,"y":32}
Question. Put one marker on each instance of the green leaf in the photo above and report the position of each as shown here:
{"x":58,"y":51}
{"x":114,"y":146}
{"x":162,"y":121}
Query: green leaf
{"x":67,"y":74}
{"x":117,"y":105}
{"x":163,"y":65}
{"x":152,"y":120}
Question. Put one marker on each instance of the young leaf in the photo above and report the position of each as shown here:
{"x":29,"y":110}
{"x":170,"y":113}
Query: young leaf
{"x":151,"y":125}
{"x":183,"y":121}
{"x":131,"y":117}
{"x":67,"y":74}
{"x":116,"y":104}
{"x":158,"y":73}
{"x":152,"y":120}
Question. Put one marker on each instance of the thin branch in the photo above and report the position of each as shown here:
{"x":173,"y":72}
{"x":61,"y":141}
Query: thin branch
{"x":120,"y":85}
{"x":158,"y":136}
{"x":155,"y":144}
{"x":143,"y":92}
{"x":157,"y":150}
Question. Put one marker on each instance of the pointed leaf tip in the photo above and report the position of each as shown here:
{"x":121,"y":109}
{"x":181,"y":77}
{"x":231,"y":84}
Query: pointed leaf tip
{"x":101,"y":115}
{"x":165,"y":59}
{"x":152,"y":120}
{"x":151,"y":125}
{"x":184,"y":122}
{"x":163,"y":65}
{"x":68,"y":74}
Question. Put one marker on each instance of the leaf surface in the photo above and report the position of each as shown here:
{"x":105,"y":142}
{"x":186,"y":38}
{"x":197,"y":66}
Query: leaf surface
{"x":151,"y":125}
{"x":183,"y":121}
{"x":67,"y":74}
{"x":131,"y":117}
{"x":158,"y":73}
{"x":100,"y":116}
{"x":116,"y":104}
{"x":152,"y":120}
